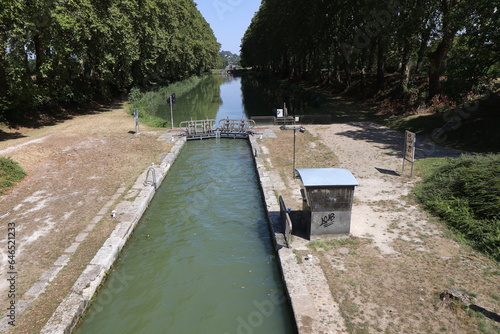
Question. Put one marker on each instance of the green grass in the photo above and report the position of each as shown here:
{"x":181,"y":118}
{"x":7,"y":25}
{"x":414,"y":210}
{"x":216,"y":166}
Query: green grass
{"x":465,"y":193}
{"x":153,"y":103}
{"x":10,"y":174}
{"x":328,"y":244}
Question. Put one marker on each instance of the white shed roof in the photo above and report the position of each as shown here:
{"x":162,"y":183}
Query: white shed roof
{"x":326,"y":177}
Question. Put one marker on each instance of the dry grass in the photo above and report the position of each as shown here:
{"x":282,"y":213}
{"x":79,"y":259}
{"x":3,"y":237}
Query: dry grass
{"x":74,"y":168}
{"x":400,"y":293}
{"x":310,"y":152}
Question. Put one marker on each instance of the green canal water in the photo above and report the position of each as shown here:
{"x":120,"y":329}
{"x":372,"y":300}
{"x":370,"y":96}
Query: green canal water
{"x":201,"y":259}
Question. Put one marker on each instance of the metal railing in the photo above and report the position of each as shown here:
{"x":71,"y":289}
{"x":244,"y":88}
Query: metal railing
{"x":228,"y":128}
{"x":151,"y":170}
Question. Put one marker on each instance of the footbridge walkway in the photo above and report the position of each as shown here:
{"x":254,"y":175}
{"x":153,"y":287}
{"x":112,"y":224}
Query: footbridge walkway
{"x":228,"y":128}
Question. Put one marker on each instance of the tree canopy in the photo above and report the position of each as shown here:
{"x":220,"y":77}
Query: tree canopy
{"x":63,"y":51}
{"x":336,"y":38}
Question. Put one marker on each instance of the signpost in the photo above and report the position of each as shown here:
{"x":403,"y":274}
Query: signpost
{"x":295,"y":128}
{"x":136,"y":118}
{"x":409,"y":149}
{"x":171,"y":101}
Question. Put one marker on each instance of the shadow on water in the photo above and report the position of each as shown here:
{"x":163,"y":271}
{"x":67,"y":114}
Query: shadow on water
{"x":262,"y":95}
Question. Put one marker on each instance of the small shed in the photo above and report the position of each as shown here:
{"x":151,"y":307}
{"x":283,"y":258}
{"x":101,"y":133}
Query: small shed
{"x":327,"y":195}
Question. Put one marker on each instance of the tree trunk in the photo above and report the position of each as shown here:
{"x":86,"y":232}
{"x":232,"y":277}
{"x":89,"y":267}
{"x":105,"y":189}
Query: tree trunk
{"x":381,"y":58}
{"x":3,"y":63}
{"x":38,"y":54}
{"x":362,"y":66}
{"x":438,"y":57}
{"x":436,"y":63}
{"x":406,"y":66}
{"x":348,"y":79}
{"x":421,"y":50}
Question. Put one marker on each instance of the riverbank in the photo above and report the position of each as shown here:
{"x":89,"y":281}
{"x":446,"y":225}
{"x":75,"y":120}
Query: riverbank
{"x":77,"y":170}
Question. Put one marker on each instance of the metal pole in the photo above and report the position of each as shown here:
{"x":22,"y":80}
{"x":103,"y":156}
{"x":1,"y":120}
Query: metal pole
{"x":171,"y":113}
{"x":293,"y":171}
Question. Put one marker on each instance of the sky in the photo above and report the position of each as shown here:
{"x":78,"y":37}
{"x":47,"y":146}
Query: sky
{"x":229,"y":19}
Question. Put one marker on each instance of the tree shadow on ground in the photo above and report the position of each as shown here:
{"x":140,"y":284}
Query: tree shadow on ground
{"x":346,"y":110}
{"x":392,"y":141}
{"x":385,"y":138}
{"x":10,"y":135}
{"x":39,"y":119}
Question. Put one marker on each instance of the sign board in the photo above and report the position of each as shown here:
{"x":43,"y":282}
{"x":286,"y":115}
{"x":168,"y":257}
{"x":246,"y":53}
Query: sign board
{"x":171,"y":98}
{"x":279,"y":113}
{"x":409,"y":149}
{"x":410,"y":140}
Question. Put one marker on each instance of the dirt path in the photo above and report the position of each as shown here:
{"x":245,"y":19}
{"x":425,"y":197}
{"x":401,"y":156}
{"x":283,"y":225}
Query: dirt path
{"x":74,"y":169}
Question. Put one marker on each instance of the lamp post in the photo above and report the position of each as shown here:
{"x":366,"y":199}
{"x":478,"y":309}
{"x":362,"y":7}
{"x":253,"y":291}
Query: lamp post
{"x":295,"y":128}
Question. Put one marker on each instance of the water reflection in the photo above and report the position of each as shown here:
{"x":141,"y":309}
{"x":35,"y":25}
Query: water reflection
{"x":231,"y":100}
{"x":217,"y":97}
{"x":201,"y":102}
{"x":262,"y":95}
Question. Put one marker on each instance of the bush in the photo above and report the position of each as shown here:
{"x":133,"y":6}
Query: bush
{"x":465,"y":192}
{"x":10,"y":173}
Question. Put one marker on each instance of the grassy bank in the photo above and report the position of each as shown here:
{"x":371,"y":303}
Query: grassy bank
{"x":10,"y":174}
{"x":153,"y":103}
{"x":465,"y":193}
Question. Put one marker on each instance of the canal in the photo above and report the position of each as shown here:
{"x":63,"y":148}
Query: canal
{"x":201,"y":259}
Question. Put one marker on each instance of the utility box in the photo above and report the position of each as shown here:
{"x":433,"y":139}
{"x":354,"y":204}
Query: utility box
{"x":327,"y":195}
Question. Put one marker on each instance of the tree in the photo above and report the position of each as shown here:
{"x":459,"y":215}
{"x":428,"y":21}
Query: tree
{"x":371,"y":36}
{"x":57,"y":51}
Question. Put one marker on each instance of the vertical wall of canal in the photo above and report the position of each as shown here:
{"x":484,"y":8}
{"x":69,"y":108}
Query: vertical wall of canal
{"x":201,"y":259}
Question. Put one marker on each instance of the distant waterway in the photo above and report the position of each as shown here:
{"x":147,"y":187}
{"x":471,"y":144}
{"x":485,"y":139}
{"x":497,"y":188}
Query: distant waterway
{"x":217,"y":97}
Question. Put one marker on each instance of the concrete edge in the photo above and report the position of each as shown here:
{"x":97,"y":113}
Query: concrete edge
{"x":67,"y":314}
{"x":284,"y":254}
